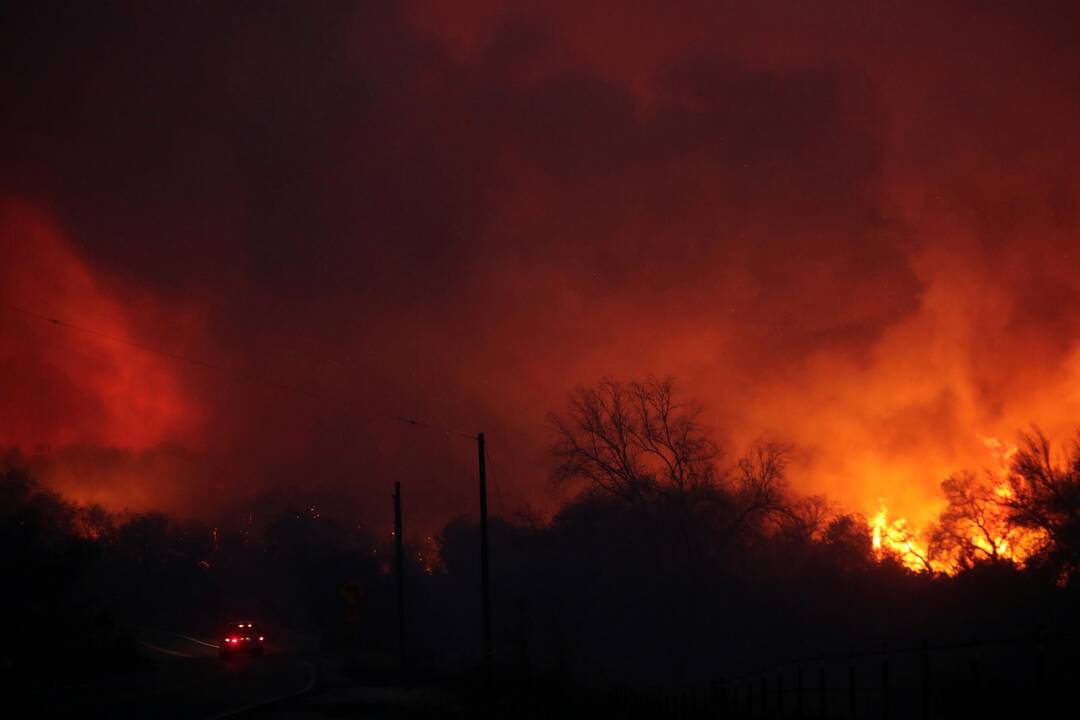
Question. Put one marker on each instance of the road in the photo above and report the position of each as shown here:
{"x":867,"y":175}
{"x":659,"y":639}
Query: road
{"x":186,"y":680}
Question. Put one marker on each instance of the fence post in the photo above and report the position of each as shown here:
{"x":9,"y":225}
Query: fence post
{"x":976,"y":678}
{"x":798,"y":692}
{"x":1040,"y":658}
{"x":749,"y":699}
{"x":780,"y":694}
{"x":851,"y":687}
{"x":1041,"y":701}
{"x":924,"y":679}
{"x":764,"y":701}
{"x":821,"y":689}
{"x":885,"y":688}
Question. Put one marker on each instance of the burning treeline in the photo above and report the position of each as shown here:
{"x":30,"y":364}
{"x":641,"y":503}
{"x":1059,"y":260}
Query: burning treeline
{"x":637,"y":442}
{"x":87,"y":397}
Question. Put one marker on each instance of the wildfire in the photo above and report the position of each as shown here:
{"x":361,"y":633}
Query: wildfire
{"x":896,"y":540}
{"x":1002,"y":453}
{"x":977,"y":528}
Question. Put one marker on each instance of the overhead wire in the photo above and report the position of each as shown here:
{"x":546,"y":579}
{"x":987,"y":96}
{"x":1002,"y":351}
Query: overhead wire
{"x":240,"y":376}
{"x":490,"y":467}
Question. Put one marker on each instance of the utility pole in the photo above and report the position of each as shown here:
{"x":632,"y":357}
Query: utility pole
{"x":400,"y":573}
{"x":485,"y":586}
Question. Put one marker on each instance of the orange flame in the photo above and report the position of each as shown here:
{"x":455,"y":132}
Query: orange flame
{"x":896,"y":540}
{"x":991,"y":534}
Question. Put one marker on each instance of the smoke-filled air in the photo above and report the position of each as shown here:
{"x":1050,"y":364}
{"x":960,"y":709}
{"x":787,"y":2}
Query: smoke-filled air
{"x":239,"y":246}
{"x":532,"y":359}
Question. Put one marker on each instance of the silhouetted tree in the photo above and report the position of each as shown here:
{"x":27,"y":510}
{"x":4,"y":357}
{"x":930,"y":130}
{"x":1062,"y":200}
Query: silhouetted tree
{"x":760,"y":484}
{"x":633,"y":440}
{"x":804,"y":518}
{"x":974,"y":527}
{"x":848,"y":542}
{"x":1045,"y":498}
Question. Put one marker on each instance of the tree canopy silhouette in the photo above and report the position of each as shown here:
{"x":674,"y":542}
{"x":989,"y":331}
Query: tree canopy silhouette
{"x":1045,"y":497}
{"x":633,"y":440}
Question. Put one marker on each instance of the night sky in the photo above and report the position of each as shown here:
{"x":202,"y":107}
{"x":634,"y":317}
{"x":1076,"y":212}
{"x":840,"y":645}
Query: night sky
{"x":841,"y":225}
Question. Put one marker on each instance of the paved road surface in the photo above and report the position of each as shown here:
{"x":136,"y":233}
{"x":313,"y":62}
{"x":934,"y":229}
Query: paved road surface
{"x":187,"y":681}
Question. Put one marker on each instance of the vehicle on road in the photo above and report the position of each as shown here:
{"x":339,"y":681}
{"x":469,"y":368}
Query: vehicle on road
{"x":241,"y":638}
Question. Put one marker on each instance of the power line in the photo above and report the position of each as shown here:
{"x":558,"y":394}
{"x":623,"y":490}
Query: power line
{"x":490,"y":469}
{"x":246,"y":376}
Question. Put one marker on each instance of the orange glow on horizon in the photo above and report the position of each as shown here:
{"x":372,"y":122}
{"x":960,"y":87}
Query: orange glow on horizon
{"x":76,"y":390}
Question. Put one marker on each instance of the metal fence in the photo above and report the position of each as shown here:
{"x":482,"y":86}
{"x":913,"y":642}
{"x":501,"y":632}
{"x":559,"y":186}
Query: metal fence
{"x":1001,"y":677}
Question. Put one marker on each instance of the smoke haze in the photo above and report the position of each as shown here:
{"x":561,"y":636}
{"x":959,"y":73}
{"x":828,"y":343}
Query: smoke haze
{"x":851,"y":229}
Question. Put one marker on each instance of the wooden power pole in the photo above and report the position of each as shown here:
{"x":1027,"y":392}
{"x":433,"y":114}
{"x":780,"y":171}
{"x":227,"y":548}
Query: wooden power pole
{"x":400,"y":573}
{"x":485,"y":581}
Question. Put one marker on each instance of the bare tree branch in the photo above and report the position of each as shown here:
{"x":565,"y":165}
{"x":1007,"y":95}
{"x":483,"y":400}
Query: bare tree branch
{"x":633,"y":440}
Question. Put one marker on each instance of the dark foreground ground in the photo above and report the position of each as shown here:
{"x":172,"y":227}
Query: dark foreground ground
{"x":181,"y":676}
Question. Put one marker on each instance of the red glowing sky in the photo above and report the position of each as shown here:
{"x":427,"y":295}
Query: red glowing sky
{"x":851,"y":229}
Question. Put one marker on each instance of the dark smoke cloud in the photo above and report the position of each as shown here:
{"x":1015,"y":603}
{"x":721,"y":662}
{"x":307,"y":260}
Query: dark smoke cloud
{"x":850,"y":228}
